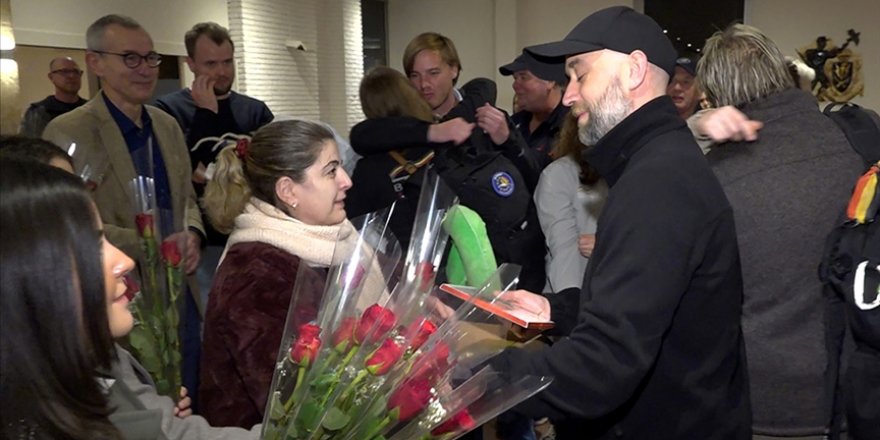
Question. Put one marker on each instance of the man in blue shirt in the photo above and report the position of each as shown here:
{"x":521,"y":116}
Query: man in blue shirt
{"x":133,"y":139}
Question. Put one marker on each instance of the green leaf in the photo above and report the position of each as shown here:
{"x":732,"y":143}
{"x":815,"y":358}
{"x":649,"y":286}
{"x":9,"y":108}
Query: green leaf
{"x":144,"y":347}
{"x":276,"y":408}
{"x":308,"y":415}
{"x":335,"y":419}
{"x":324,"y":382}
{"x":163,"y":387}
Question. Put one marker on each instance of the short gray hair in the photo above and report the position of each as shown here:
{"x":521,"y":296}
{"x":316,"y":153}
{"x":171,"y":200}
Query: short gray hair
{"x":739,"y":65}
{"x":95,"y":32}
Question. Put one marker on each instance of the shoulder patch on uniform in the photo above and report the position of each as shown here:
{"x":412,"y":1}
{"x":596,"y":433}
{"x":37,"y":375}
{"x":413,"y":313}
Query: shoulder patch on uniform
{"x":503,"y":184}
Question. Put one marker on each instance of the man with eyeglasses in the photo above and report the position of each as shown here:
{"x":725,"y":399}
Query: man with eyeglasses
{"x":115,"y":127}
{"x":66,"y":76}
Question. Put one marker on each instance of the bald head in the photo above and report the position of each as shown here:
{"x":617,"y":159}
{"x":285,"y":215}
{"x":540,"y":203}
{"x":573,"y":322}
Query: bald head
{"x":61,"y":62}
{"x":66,"y":76}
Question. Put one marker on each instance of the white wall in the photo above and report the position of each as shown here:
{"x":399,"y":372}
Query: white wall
{"x":490,"y":33}
{"x":318,"y":83}
{"x":63,"y":23}
{"x":469,"y":23}
{"x":793,"y":24}
{"x":486,"y":33}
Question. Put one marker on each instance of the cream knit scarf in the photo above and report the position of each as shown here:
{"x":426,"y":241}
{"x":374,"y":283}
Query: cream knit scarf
{"x":314,"y":244}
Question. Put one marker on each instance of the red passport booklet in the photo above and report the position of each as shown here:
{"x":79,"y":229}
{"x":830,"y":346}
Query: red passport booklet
{"x":499,"y":308}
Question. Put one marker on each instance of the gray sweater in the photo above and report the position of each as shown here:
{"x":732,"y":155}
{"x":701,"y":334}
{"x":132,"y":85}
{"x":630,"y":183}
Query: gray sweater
{"x":786,"y":189}
{"x":141,"y":414}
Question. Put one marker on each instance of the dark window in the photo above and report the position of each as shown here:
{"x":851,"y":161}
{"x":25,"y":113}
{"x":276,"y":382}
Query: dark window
{"x":690,"y":22}
{"x":375,"y":38}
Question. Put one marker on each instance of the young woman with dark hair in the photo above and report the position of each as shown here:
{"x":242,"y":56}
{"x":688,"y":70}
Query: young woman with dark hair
{"x":53,"y":338}
{"x":23,"y":147}
{"x":63,"y":304}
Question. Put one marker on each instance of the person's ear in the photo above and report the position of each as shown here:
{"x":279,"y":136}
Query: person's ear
{"x":93,"y":62}
{"x":286,"y":191}
{"x":455,"y":73}
{"x":637,"y":67}
{"x":190,"y":63}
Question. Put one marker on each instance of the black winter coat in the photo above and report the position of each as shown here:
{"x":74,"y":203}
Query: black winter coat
{"x":654,"y":347}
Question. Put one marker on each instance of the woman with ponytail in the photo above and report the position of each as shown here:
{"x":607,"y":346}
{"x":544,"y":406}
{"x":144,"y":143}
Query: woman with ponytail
{"x":281,"y":197}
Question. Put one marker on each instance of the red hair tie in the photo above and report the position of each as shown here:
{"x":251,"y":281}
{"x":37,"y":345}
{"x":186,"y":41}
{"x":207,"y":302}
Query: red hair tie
{"x":241,"y":148}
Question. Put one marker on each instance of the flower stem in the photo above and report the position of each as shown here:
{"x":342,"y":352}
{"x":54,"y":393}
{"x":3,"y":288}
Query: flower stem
{"x":348,"y":356}
{"x":357,"y":380}
{"x":300,"y":374}
{"x":341,"y":367}
{"x":378,"y":428}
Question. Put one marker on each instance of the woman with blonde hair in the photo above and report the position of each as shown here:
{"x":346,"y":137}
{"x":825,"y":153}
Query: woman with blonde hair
{"x":282,"y":199}
{"x":378,"y":179}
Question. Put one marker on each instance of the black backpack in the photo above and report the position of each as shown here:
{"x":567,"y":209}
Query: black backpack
{"x":490,"y":184}
{"x":850,"y":272}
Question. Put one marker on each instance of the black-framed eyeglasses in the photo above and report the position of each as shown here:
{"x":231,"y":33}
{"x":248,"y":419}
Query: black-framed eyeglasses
{"x":133,"y":60}
{"x":68,"y":72}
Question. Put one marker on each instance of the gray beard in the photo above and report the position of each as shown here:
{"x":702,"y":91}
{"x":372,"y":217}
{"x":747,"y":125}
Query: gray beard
{"x":609,"y":110}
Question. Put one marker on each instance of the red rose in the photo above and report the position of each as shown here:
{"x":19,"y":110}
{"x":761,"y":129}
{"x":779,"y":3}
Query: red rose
{"x":377,"y":319}
{"x":307,"y":344}
{"x":420,"y":330}
{"x":411,"y":398}
{"x":171,"y":253}
{"x":144,"y":224}
{"x":381,"y":361}
{"x":342,"y":339}
{"x":131,"y":287}
{"x":432,"y":365}
{"x":426,"y":270}
{"x":358,"y":276}
{"x":460,"y":422}
{"x":241,"y":148}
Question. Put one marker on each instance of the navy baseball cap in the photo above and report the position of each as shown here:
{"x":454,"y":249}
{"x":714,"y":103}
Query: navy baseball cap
{"x":688,"y":63}
{"x":550,"y":70}
{"x":617,"y":28}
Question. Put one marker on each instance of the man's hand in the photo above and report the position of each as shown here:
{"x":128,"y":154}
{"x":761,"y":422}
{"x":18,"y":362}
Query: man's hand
{"x":439,"y":311}
{"x":192,"y":243}
{"x":529,"y":301}
{"x":493,"y":122}
{"x":454,"y":130}
{"x":726,"y":124}
{"x":203,"y":93}
{"x":184,"y":405}
{"x":586,"y":243}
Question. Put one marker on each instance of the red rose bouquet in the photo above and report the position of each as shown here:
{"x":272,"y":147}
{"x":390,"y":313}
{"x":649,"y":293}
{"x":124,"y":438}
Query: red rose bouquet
{"x":384,"y":356}
{"x":156,"y":308}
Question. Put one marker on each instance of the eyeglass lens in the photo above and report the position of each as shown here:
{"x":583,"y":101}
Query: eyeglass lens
{"x":68,"y":71}
{"x":133,"y":60}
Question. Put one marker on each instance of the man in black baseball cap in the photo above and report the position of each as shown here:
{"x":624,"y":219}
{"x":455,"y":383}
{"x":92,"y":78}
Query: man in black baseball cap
{"x":683,"y":88}
{"x":538,"y":89}
{"x":652,"y":345}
